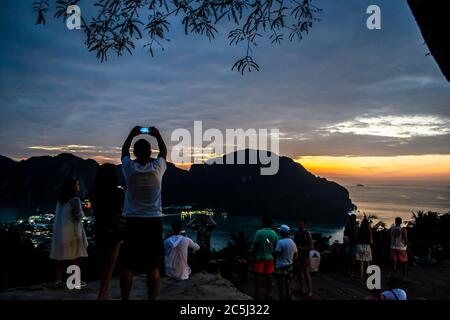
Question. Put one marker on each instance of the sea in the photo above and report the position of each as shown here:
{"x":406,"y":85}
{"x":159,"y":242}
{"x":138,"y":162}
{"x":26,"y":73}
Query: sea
{"x":382,"y":200}
{"x":387,"y":201}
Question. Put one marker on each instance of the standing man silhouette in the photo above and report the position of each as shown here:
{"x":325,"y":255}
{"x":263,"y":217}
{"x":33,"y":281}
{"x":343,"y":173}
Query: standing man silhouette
{"x":142,"y":246}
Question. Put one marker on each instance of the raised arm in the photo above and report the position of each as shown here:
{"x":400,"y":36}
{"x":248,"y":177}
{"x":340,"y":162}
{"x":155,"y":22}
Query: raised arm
{"x":127,"y":144}
{"x":161,"y":144}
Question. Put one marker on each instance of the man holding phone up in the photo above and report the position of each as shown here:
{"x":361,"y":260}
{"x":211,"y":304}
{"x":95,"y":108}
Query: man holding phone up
{"x":142,"y":246}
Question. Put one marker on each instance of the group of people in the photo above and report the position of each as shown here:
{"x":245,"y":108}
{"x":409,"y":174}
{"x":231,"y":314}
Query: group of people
{"x":128,"y":226}
{"x":279,"y":256}
{"x":128,"y":223}
{"x":128,"y":232}
{"x":358,"y":246}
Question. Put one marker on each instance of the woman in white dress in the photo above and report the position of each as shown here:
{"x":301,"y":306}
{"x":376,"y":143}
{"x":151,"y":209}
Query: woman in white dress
{"x":69,"y":238}
{"x":363,"y":247}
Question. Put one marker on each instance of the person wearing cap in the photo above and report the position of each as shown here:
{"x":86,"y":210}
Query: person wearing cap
{"x":262,"y":252}
{"x":285,"y":253}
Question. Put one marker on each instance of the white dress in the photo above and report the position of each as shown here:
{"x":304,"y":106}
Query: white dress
{"x":69,"y":238}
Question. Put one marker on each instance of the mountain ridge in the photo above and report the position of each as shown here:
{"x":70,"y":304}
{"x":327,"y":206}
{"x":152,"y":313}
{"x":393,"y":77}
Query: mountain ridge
{"x":238,"y":189}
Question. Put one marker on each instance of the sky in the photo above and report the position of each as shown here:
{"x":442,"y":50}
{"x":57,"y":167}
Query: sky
{"x":350,"y":103}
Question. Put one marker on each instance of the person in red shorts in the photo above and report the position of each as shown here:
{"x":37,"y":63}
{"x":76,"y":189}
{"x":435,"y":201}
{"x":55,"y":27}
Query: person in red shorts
{"x":399,"y":246}
{"x":263,"y":248}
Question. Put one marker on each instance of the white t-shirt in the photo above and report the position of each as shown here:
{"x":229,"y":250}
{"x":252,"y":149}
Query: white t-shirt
{"x":400,"y":294}
{"x":397,"y":240}
{"x":176,"y":260}
{"x":286,"y":248}
{"x":143,"y":187}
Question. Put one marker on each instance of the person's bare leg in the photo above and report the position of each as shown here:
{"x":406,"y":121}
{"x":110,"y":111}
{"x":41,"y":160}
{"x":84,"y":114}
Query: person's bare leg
{"x":107,"y":273}
{"x":352,"y":270}
{"x":287,"y":287}
{"x":280,"y":284}
{"x":257,"y":283}
{"x":348,"y":265}
{"x":153,"y":283}
{"x":394,"y":266}
{"x":126,"y":282}
{"x":300,"y":279}
{"x":404,"y":269}
{"x":361,"y":271}
{"x":308,"y":281}
{"x":59,"y":269}
{"x":269,"y":285}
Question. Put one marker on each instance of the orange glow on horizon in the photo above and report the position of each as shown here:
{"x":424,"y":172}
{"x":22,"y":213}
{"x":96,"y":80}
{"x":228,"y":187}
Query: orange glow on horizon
{"x":393,"y":167}
{"x":386,"y":167}
{"x":420,"y":167}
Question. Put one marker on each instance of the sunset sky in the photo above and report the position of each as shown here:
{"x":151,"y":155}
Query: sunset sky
{"x":349,"y":103}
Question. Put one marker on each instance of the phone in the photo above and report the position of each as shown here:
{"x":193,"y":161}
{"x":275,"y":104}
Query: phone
{"x":145,"y":130}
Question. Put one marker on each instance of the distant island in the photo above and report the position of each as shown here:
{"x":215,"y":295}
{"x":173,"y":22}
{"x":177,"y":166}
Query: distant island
{"x":360,"y":185}
{"x":238,"y":189}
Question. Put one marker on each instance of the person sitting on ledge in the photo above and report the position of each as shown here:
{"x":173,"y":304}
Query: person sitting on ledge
{"x":176,"y":248}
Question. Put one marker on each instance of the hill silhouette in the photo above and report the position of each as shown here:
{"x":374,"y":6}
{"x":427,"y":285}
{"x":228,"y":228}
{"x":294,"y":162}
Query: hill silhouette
{"x":238,"y":189}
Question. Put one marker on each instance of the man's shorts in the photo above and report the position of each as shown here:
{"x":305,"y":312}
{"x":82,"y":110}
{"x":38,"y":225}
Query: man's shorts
{"x":142,"y":247}
{"x":399,"y":255}
{"x":263,"y":266}
{"x":284,"y":273}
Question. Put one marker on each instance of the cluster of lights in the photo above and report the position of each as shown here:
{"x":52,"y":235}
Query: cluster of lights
{"x":190,"y":213}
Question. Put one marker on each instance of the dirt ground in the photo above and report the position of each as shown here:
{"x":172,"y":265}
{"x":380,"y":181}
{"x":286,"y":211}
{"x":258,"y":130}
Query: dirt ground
{"x":423,"y":283}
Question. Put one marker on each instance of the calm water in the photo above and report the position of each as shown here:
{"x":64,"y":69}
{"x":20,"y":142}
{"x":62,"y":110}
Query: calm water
{"x":385,"y":201}
{"x":12,"y":214}
{"x":226,"y":226}
{"x":229,"y":225}
{"x":390,"y":201}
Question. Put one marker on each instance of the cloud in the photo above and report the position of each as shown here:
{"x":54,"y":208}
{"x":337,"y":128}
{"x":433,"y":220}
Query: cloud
{"x":404,"y":126}
{"x":57,"y":97}
{"x":74,"y":148}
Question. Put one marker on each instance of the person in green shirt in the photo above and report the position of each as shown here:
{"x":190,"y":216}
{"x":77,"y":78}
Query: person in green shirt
{"x":263,"y":249}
